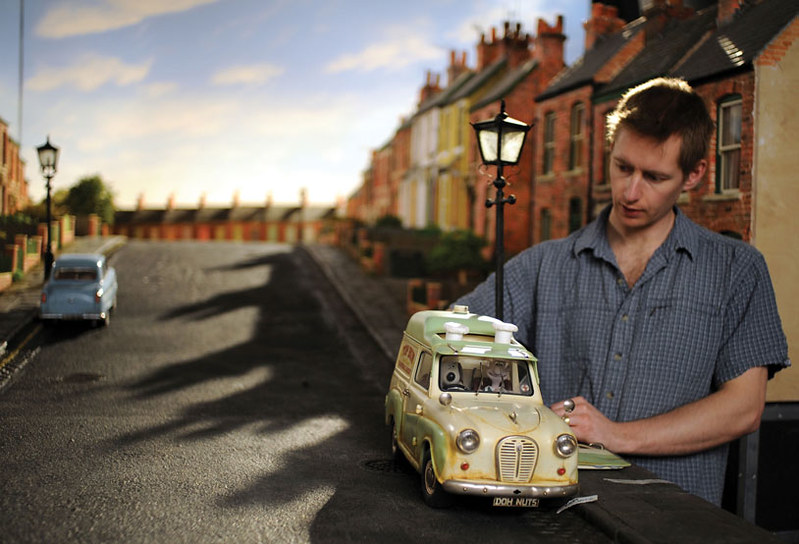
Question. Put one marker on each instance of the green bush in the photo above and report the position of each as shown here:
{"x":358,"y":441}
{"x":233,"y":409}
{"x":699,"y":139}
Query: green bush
{"x":457,"y":250}
{"x":389,"y":222}
{"x":18,"y":275}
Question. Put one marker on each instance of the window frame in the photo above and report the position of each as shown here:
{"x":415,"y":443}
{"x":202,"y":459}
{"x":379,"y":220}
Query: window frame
{"x":576,"y":136}
{"x":548,"y":158}
{"x":545,"y":222}
{"x":726,"y":168}
{"x":575,"y":214}
{"x":425,"y":360}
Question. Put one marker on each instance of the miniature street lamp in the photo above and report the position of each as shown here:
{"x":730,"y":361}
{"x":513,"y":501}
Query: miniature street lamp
{"x":48,"y":161}
{"x":500,"y":141}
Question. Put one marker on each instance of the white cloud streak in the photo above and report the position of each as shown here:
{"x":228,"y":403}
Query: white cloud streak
{"x":88,"y":73}
{"x":81,"y":17}
{"x":401,"y":49}
{"x":256,"y":74}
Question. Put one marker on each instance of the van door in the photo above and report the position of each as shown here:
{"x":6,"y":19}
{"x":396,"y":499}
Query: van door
{"x":418,"y":392}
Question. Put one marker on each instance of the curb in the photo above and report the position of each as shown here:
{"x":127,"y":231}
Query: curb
{"x":344,"y":294}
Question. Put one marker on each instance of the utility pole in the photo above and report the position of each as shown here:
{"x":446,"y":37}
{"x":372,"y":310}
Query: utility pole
{"x":21,"y":69}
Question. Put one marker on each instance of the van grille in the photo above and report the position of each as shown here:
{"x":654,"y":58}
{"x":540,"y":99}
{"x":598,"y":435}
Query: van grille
{"x":516,"y":458}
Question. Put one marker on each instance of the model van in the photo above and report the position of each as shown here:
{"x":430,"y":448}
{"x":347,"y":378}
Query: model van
{"x":465,"y":410}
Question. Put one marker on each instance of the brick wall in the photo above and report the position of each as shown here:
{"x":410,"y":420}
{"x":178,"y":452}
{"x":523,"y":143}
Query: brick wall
{"x":779,"y":47}
{"x":731,"y":212}
{"x":555,"y":191}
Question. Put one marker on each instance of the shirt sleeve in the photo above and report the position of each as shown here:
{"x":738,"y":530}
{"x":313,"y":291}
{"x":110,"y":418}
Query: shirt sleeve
{"x":753,"y":334}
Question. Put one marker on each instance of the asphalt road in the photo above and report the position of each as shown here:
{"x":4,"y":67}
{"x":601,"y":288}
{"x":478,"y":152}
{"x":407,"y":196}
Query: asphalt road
{"x":233,"y":398}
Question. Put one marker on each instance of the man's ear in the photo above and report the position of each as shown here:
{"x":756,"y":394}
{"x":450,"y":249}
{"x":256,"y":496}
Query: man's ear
{"x":695,"y":176}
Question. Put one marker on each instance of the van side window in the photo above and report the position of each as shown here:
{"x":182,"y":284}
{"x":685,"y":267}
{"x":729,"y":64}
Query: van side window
{"x":423,"y":370}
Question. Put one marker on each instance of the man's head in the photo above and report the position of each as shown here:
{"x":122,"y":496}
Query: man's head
{"x":661,"y":108}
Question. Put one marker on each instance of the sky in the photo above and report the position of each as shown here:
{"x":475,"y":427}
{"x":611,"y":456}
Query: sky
{"x":191,"y":99}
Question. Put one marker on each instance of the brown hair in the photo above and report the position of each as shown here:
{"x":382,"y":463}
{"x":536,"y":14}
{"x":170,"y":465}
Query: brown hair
{"x":660,"y":108}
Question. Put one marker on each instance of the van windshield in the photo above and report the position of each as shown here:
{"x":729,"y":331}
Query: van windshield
{"x":485,"y":375}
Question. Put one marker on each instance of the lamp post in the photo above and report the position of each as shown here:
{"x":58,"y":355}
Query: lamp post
{"x":48,"y":161}
{"x":500,"y":141}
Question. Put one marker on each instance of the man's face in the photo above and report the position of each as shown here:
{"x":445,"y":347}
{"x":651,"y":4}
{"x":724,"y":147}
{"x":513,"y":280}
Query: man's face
{"x":646,"y":180}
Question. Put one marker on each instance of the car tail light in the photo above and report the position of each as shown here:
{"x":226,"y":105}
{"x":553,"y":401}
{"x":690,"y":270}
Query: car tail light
{"x":98,"y":295}
{"x":44,"y":297}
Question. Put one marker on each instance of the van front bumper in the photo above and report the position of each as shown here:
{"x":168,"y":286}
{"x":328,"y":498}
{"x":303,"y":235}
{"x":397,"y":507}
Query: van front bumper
{"x":503,"y":490}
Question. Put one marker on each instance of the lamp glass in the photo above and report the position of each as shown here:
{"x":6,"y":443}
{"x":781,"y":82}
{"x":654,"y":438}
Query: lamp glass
{"x":48,"y":156}
{"x":512,"y":143}
{"x":512,"y":132}
{"x":488,"y":140}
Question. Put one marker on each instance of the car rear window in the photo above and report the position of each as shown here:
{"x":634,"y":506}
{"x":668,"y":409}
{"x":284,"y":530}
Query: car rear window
{"x":80,"y":274}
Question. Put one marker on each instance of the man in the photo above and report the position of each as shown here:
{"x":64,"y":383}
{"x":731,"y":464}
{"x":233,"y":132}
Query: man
{"x":659,"y":334}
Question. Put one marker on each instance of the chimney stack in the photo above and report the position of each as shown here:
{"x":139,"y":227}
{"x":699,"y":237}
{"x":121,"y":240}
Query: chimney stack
{"x":604,"y":20}
{"x":457,"y":66}
{"x":514,"y":44}
{"x":430,"y":88}
{"x":548,"y":44}
{"x":726,"y":10}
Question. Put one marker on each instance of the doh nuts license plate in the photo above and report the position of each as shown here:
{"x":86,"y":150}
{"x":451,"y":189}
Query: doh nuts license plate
{"x":516,"y":502}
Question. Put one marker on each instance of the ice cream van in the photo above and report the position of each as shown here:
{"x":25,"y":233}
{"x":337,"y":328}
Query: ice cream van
{"x":466,"y":411}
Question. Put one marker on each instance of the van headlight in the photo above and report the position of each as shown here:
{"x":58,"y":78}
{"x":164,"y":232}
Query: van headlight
{"x":565,"y":445}
{"x":468,"y":440}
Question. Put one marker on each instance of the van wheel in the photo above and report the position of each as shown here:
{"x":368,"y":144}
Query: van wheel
{"x":432,"y":492}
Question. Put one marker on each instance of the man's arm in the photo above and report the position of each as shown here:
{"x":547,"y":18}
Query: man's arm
{"x":732,"y":411}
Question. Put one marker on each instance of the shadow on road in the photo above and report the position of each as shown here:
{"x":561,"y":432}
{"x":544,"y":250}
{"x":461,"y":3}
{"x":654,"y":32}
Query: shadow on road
{"x":316,"y":413}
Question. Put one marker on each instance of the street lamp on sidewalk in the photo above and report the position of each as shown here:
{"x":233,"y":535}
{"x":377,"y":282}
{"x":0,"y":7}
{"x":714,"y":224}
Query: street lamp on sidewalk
{"x":48,"y":161}
{"x":500,"y":141}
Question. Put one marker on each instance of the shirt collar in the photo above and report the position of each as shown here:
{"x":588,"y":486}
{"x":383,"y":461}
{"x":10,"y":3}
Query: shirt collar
{"x":594,"y":236}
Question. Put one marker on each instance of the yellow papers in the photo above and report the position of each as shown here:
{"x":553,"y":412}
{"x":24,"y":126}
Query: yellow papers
{"x":593,"y":457}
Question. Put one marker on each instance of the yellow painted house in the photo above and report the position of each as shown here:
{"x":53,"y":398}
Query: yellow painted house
{"x":456,"y":175}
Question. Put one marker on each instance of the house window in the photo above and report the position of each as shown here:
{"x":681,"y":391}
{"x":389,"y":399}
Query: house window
{"x":549,"y":143}
{"x":546,"y":225}
{"x":728,"y":171}
{"x":575,"y":214}
{"x":576,"y":136}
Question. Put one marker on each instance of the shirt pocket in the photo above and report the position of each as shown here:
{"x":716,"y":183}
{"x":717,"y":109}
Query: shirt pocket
{"x":679,"y":345}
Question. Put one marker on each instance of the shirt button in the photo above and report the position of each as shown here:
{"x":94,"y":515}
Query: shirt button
{"x":625,"y":317}
{"x":617,"y":356}
{"x":620,"y":281}
{"x":610,"y":394}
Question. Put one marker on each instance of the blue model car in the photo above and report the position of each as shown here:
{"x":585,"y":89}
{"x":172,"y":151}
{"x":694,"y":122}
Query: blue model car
{"x":81,"y":287}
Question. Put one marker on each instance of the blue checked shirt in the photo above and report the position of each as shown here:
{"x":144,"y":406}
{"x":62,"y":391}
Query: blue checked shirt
{"x":702,"y":313}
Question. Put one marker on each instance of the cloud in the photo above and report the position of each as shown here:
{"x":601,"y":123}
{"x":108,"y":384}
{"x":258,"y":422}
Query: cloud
{"x":255,"y":74}
{"x":402,"y":48}
{"x":159,"y":89}
{"x":88,"y":73}
{"x":80,"y":17}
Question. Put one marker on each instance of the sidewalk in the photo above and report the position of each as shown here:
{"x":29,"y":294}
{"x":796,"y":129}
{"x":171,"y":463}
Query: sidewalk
{"x":20,"y":302}
{"x":379,"y":302}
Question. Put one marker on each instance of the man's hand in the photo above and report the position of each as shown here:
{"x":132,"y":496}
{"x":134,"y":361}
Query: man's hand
{"x":588,"y":424}
{"x":732,"y":411}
